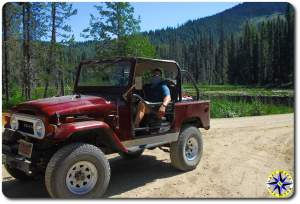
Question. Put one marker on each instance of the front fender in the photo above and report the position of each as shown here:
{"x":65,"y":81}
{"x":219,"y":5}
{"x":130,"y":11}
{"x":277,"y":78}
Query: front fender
{"x":64,"y":131}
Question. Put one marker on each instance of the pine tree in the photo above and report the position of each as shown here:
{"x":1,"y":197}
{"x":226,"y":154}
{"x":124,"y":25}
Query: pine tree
{"x":60,"y":12}
{"x":26,"y":14}
{"x":222,"y":65}
{"x":290,"y":42}
{"x":6,"y":19}
{"x":139,"y":46}
{"x":114,"y":23}
{"x":232,"y":69}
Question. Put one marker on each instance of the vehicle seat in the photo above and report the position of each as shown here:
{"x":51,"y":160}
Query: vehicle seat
{"x":151,"y":121}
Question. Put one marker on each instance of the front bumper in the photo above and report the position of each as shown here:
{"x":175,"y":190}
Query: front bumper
{"x":10,"y":156}
{"x":18,"y":162}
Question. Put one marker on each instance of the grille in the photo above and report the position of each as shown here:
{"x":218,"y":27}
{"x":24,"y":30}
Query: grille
{"x":25,"y":126}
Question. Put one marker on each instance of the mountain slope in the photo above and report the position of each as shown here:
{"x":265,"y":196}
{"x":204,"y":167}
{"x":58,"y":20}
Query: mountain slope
{"x":231,"y":20}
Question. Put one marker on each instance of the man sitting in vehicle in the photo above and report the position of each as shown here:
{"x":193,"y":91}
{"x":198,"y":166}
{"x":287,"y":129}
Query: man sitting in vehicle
{"x":158,"y":92}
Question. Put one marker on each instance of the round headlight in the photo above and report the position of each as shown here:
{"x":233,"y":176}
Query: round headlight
{"x":14,"y":124}
{"x":39,"y":128}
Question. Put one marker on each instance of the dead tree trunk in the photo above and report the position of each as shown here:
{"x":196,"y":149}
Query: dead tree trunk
{"x":27,"y":53}
{"x":5,"y":53}
{"x":62,"y":86}
{"x":52,"y":63}
{"x":61,"y":74}
{"x":26,"y":10}
{"x":23,"y":72}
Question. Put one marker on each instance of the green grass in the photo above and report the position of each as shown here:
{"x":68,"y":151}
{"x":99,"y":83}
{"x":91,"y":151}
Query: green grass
{"x":223,"y":108}
{"x":220,"y":107}
{"x":234,"y":90}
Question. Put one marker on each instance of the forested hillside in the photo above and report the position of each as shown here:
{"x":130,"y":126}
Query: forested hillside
{"x":249,"y":44}
{"x":233,"y":18}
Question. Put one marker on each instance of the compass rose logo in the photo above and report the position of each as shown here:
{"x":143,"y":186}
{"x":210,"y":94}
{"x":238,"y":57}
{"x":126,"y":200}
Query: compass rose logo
{"x":280,"y":184}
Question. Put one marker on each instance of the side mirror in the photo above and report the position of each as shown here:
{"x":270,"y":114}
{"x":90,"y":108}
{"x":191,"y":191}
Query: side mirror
{"x":138,"y":83}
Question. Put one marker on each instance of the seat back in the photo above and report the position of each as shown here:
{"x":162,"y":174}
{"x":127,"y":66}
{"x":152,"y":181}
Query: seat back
{"x":147,"y":89}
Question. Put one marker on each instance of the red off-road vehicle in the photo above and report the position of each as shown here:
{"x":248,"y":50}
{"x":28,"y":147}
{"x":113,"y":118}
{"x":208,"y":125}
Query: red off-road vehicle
{"x":65,"y":138}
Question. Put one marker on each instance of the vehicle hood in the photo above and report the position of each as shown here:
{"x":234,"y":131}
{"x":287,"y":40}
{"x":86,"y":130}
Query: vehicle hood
{"x":66,"y":105}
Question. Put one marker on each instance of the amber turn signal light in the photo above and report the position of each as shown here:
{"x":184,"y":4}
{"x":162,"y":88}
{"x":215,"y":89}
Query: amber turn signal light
{"x":5,"y":119}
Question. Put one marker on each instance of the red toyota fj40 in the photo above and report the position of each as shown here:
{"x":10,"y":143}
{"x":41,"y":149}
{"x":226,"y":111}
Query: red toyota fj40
{"x":65,"y":138}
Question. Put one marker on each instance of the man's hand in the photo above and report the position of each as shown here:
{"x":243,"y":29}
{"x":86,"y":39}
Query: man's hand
{"x":161,"y":111}
{"x":162,"y":108}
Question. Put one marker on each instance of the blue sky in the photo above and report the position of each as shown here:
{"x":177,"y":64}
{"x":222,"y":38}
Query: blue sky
{"x":154,"y":15}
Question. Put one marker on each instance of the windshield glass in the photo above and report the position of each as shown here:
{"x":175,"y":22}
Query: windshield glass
{"x":104,"y":74}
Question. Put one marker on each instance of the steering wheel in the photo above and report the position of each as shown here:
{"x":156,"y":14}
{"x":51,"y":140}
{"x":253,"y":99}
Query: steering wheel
{"x":138,"y":97}
{"x":151,"y":104}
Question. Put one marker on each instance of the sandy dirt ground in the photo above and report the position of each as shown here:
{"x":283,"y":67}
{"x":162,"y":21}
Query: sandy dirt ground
{"x":239,"y":154}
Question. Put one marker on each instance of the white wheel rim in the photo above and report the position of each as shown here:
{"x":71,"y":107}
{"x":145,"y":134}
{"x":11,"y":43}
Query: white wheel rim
{"x":81,"y":177}
{"x":191,"y":149}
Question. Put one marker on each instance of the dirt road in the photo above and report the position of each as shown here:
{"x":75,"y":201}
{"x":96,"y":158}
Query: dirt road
{"x":239,"y":154}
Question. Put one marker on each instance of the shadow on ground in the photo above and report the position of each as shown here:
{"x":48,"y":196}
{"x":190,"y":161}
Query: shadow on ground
{"x":126,"y":175}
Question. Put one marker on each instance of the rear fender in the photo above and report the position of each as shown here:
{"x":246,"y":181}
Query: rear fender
{"x":65,"y":131}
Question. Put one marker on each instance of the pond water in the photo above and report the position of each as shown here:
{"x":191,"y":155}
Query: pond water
{"x":272,"y":100}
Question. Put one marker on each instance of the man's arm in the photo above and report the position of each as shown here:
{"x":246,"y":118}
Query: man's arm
{"x":166,"y":101}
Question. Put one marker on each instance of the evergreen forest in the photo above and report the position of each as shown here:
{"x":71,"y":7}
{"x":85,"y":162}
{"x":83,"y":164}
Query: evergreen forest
{"x":249,"y":45}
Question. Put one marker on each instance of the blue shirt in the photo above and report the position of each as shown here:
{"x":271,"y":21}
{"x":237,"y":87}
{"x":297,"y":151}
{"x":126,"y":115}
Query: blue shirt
{"x":157,"y":93}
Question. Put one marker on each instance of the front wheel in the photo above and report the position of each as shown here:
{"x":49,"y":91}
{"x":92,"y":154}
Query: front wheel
{"x":186,"y":152}
{"x":77,"y":171}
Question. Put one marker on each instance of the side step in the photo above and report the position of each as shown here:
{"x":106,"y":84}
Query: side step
{"x":150,"y":141}
{"x":164,"y":127}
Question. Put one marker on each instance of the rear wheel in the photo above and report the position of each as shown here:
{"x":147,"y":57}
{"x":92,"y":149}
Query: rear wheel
{"x":132,"y":155}
{"x":77,"y":171}
{"x":186,"y":152}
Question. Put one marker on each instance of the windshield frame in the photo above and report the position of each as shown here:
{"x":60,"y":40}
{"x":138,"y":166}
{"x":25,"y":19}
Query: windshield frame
{"x":99,"y":89}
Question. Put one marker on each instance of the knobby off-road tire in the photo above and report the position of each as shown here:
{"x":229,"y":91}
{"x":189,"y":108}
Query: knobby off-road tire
{"x":131,"y":155}
{"x":18,"y":174}
{"x":186,"y":152}
{"x":77,"y":171}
